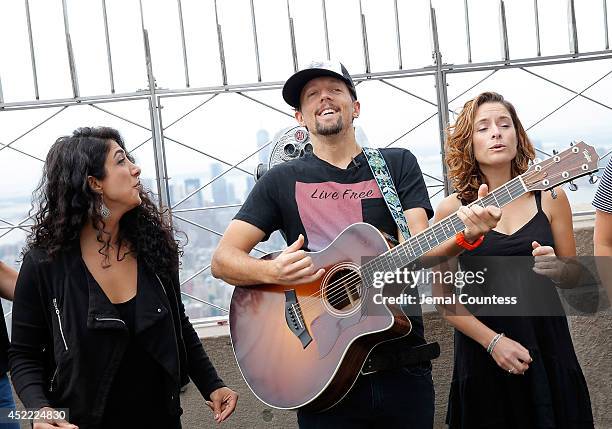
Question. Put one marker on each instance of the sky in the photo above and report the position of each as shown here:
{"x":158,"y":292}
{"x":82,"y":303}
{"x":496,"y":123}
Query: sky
{"x":226,"y":126}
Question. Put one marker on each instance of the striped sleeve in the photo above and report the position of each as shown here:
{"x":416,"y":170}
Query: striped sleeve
{"x":603,"y":196}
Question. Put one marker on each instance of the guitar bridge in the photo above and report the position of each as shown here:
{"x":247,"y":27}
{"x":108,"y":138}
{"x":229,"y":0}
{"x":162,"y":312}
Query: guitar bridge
{"x":295,"y":318}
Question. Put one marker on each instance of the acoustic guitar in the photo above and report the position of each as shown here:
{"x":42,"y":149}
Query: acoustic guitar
{"x":305,"y":345}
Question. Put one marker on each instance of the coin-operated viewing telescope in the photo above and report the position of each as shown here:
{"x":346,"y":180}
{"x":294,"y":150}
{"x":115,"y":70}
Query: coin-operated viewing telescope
{"x":290,"y":143}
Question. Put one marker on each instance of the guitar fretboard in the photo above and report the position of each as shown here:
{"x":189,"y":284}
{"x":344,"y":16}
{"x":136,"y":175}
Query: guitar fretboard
{"x":417,"y":245}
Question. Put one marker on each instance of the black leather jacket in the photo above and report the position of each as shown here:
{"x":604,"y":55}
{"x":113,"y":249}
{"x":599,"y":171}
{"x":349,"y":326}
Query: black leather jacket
{"x":68,"y":339}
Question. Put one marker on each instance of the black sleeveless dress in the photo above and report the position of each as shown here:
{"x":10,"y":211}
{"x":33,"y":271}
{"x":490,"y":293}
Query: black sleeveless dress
{"x":553,"y":392}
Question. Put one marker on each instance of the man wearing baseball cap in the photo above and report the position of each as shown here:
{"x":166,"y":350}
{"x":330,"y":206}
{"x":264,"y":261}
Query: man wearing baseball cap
{"x":314,"y":198}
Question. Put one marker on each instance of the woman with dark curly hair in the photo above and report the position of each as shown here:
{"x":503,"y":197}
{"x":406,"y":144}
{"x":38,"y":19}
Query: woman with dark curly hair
{"x":98,"y":323}
{"x":511,"y":371}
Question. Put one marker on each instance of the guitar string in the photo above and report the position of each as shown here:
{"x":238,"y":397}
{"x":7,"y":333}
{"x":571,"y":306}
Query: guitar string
{"x":338,"y":284}
{"x":344,"y":281}
{"x":337,"y":295}
{"x":336,"y":292}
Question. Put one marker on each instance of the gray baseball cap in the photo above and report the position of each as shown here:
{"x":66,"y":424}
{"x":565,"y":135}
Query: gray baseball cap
{"x":294,"y":85}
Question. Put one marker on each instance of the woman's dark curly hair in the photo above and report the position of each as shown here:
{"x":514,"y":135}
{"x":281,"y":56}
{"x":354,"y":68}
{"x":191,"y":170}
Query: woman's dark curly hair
{"x":64,"y":202}
{"x":463,"y":169}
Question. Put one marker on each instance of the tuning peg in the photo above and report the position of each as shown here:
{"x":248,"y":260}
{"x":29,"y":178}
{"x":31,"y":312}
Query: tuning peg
{"x":572,"y":144}
{"x":593,"y":178}
{"x":573,"y":186}
{"x":555,"y":152}
{"x":553,"y":194}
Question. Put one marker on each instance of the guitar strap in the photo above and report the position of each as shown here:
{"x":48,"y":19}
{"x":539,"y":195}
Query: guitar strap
{"x":387,"y":188}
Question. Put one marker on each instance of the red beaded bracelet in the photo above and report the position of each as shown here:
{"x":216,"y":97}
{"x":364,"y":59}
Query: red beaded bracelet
{"x":460,"y":240}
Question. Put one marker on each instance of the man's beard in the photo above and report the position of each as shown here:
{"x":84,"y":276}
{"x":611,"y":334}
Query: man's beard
{"x":329,"y":130}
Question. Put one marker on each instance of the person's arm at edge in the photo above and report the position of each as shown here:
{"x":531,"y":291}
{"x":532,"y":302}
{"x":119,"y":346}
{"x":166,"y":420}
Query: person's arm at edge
{"x":602,"y":248}
{"x":602,"y":234}
{"x":8,"y":278}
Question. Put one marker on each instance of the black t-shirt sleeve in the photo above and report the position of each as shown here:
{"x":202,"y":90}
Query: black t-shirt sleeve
{"x":410,"y":184}
{"x":261,"y":208}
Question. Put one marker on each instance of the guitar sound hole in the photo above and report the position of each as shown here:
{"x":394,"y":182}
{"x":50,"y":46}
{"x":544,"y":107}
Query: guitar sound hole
{"x":343,"y":289}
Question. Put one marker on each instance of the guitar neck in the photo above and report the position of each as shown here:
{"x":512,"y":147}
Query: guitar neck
{"x":418,"y":245}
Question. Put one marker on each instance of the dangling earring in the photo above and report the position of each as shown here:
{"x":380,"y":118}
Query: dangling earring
{"x":104,"y":211}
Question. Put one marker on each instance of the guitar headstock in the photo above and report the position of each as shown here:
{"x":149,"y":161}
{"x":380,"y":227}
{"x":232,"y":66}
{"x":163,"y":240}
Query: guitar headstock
{"x":579,"y":160}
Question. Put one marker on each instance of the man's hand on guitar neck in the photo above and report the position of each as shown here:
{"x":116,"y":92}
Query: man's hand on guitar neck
{"x":294,"y":266}
{"x":479,"y":221}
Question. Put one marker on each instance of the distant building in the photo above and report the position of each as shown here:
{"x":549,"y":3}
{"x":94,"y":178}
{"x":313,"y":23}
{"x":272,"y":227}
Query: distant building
{"x":263,"y":137}
{"x":231,"y":194}
{"x":250,"y":182}
{"x":191,"y":185}
{"x":176,"y":192}
{"x":219,"y":186}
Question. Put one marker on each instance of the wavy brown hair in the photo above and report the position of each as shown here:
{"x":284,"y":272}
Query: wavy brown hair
{"x":64,"y":202}
{"x":463,"y":169}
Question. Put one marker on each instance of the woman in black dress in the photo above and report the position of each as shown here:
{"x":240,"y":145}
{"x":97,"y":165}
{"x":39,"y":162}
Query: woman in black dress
{"x":98,"y":323}
{"x":529,"y":377}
